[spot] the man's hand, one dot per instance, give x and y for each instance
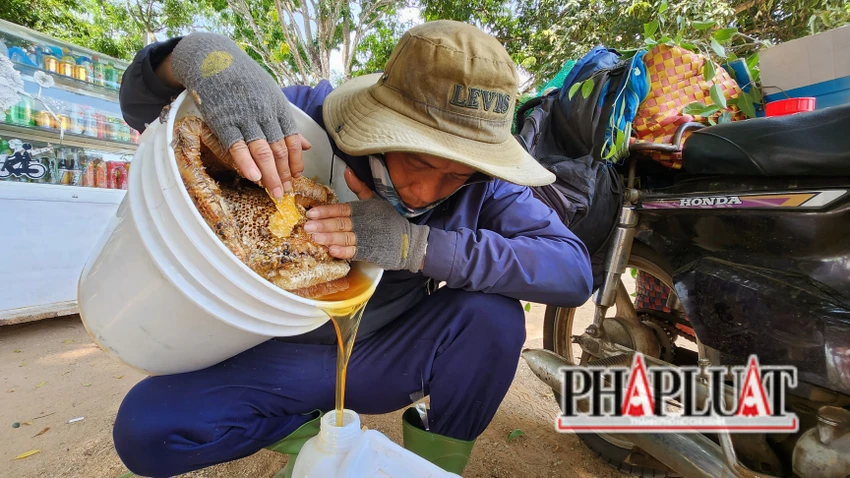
(273, 163)
(243, 106)
(370, 230)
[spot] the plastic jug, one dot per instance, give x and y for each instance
(350, 452)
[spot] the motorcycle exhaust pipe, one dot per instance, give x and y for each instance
(691, 455)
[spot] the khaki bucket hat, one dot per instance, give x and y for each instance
(448, 90)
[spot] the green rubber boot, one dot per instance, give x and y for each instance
(291, 445)
(449, 454)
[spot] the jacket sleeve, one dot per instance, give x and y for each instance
(143, 94)
(521, 249)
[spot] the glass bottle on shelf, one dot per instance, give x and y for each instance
(21, 113)
(67, 63)
(63, 175)
(74, 169)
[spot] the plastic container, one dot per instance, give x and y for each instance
(163, 294)
(349, 452)
(789, 106)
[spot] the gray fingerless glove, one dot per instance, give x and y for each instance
(238, 98)
(385, 238)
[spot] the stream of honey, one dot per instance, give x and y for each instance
(345, 315)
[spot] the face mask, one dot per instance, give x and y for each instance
(385, 189)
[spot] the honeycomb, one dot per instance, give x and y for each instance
(267, 235)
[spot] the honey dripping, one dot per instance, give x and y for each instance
(346, 320)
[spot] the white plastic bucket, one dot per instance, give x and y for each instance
(163, 294)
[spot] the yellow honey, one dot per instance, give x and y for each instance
(286, 218)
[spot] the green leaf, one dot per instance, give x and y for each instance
(702, 25)
(528, 306)
(633, 272)
(758, 96)
(573, 90)
(515, 434)
(725, 117)
(709, 110)
(663, 7)
(587, 88)
(753, 61)
(709, 70)
(712, 121)
(725, 34)
(650, 28)
(650, 41)
(678, 38)
(666, 40)
(528, 62)
(718, 48)
(745, 104)
(693, 109)
(688, 46)
(717, 95)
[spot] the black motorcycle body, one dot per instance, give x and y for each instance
(757, 233)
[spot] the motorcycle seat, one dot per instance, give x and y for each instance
(816, 143)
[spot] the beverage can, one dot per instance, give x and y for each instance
(100, 176)
(97, 72)
(51, 63)
(109, 76)
(113, 131)
(125, 132)
(100, 125)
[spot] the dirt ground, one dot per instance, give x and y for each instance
(51, 373)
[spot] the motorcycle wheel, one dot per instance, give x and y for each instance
(558, 330)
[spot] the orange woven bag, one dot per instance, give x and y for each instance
(676, 80)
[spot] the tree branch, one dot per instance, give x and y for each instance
(293, 44)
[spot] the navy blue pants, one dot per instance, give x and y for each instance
(460, 347)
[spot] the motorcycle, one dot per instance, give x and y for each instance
(747, 251)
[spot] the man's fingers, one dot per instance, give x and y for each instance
(357, 186)
(305, 145)
(296, 162)
(343, 252)
(334, 224)
(282, 159)
(330, 210)
(264, 159)
(242, 157)
(334, 238)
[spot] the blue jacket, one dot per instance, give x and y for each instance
(490, 236)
